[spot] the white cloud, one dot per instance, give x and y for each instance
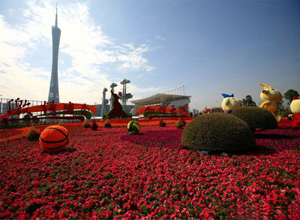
(158, 37)
(20, 80)
(10, 45)
(82, 40)
(132, 57)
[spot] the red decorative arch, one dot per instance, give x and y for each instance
(50, 107)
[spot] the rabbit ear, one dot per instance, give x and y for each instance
(225, 95)
(265, 86)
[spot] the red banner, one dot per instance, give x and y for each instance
(50, 107)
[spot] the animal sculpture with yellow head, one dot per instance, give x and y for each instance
(295, 105)
(295, 108)
(230, 103)
(271, 97)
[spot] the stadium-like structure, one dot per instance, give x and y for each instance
(163, 99)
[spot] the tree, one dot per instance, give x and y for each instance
(290, 94)
(248, 101)
(280, 108)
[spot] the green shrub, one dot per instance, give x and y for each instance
(86, 123)
(107, 124)
(162, 123)
(256, 117)
(217, 132)
(33, 134)
(94, 126)
(60, 123)
(180, 123)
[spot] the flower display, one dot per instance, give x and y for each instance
(150, 175)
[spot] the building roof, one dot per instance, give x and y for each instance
(157, 98)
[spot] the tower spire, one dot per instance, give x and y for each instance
(53, 91)
(56, 16)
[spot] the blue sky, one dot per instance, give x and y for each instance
(210, 47)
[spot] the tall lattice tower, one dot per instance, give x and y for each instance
(53, 91)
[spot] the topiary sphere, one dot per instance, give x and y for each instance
(133, 127)
(217, 132)
(256, 117)
(54, 138)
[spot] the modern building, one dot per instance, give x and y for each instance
(195, 112)
(53, 91)
(168, 100)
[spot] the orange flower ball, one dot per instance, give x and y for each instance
(54, 138)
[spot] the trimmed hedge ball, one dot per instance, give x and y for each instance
(54, 138)
(217, 132)
(133, 127)
(256, 117)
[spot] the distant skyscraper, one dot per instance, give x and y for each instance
(53, 91)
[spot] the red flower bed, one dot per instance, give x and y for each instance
(142, 122)
(110, 174)
(11, 134)
(7, 133)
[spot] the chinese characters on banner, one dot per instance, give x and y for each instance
(84, 108)
(69, 108)
(52, 108)
(20, 106)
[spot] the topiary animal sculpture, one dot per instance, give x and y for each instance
(271, 97)
(295, 105)
(230, 103)
(217, 132)
(295, 108)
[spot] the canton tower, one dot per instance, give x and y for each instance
(53, 91)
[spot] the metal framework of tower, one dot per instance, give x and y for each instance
(53, 91)
(125, 95)
(104, 101)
